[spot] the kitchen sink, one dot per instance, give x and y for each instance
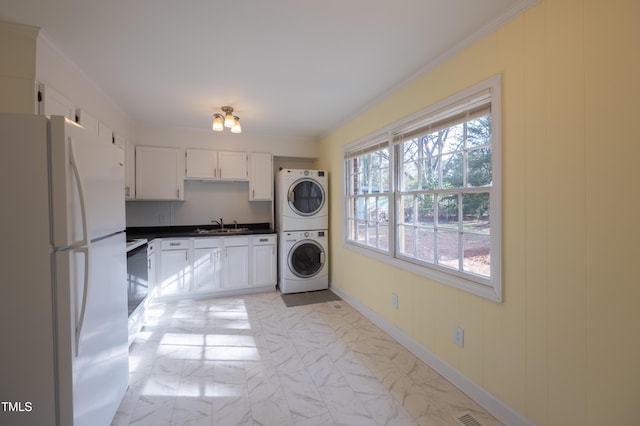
(219, 231)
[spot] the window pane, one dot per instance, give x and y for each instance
(430, 173)
(410, 150)
(452, 138)
(477, 254)
(360, 213)
(383, 236)
(479, 167)
(407, 240)
(452, 166)
(383, 209)
(407, 209)
(479, 131)
(448, 249)
(475, 212)
(360, 233)
(372, 235)
(410, 176)
(425, 210)
(448, 211)
(425, 246)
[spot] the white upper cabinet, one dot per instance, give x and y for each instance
(52, 102)
(159, 173)
(261, 177)
(201, 164)
(129, 165)
(206, 164)
(233, 165)
(95, 126)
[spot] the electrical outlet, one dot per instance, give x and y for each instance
(394, 300)
(162, 219)
(458, 336)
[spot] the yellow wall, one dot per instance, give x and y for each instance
(564, 346)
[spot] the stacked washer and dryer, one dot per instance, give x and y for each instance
(302, 222)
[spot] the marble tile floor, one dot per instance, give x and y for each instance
(250, 360)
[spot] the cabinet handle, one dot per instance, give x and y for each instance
(173, 244)
(178, 193)
(264, 240)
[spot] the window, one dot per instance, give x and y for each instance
(368, 193)
(425, 193)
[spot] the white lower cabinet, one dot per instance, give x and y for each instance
(192, 267)
(207, 264)
(175, 267)
(263, 260)
(236, 262)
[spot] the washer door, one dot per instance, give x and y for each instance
(306, 197)
(306, 258)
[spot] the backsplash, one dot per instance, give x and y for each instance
(204, 202)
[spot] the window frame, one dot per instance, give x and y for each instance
(490, 288)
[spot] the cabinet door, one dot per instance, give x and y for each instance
(175, 272)
(202, 164)
(263, 265)
(88, 121)
(151, 269)
(233, 165)
(236, 264)
(105, 133)
(207, 268)
(261, 183)
(159, 173)
(51, 102)
(129, 167)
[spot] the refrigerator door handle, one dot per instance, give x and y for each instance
(83, 207)
(85, 296)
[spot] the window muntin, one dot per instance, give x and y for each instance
(444, 214)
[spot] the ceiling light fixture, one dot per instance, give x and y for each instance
(227, 120)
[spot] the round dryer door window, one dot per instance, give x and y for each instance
(306, 197)
(306, 258)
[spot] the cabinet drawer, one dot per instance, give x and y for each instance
(204, 242)
(175, 244)
(236, 241)
(260, 240)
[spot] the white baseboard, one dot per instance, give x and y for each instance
(493, 405)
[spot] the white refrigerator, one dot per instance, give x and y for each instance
(63, 288)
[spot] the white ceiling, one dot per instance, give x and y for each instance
(293, 68)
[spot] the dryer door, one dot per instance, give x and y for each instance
(306, 258)
(306, 197)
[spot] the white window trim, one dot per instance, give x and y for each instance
(492, 291)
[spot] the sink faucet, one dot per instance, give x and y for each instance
(221, 223)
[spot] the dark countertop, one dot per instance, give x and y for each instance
(151, 232)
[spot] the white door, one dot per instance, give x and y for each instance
(263, 265)
(159, 173)
(236, 262)
(87, 180)
(207, 268)
(92, 328)
(261, 177)
(233, 165)
(201, 164)
(175, 272)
